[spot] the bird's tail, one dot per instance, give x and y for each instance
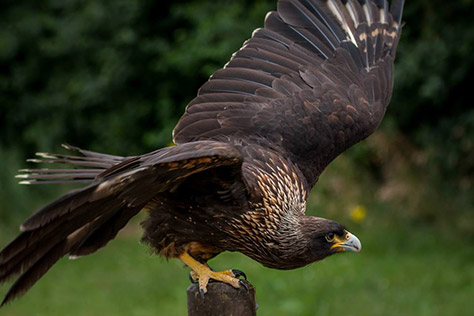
(91, 164)
(72, 228)
(81, 222)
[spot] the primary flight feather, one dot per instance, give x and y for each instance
(316, 79)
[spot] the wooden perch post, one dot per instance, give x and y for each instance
(222, 300)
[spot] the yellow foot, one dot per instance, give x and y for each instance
(202, 274)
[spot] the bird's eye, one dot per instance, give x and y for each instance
(330, 237)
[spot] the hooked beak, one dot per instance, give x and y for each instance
(347, 243)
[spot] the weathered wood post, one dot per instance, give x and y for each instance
(222, 300)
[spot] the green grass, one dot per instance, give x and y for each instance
(402, 270)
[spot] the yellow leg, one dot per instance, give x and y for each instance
(203, 273)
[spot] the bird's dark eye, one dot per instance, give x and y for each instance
(330, 237)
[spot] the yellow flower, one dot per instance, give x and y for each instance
(358, 213)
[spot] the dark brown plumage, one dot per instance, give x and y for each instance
(314, 81)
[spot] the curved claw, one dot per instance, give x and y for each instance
(238, 274)
(244, 285)
(203, 274)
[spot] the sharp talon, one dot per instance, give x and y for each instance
(238, 273)
(244, 285)
(201, 293)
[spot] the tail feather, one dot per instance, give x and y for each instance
(83, 221)
(89, 153)
(95, 164)
(50, 176)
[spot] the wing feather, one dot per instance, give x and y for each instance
(314, 81)
(81, 222)
(298, 75)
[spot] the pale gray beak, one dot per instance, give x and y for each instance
(347, 243)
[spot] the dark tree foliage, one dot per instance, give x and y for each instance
(109, 75)
(115, 75)
(432, 102)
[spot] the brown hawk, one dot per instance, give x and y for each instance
(315, 80)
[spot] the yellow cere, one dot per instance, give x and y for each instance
(337, 244)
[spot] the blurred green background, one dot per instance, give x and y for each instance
(114, 76)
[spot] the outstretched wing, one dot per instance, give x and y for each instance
(81, 222)
(314, 81)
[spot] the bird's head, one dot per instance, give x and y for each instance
(327, 237)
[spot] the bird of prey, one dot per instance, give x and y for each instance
(315, 80)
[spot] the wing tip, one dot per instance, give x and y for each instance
(396, 10)
(5, 301)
